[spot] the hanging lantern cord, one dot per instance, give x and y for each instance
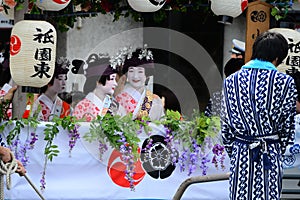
(8, 169)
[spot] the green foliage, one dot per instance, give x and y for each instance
(198, 127)
(281, 8)
(172, 120)
(17, 126)
(50, 132)
(65, 18)
(104, 129)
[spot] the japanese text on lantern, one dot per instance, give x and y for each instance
(43, 55)
(293, 58)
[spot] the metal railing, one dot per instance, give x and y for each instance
(291, 177)
(220, 177)
(198, 179)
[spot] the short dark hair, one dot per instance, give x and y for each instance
(268, 46)
(233, 65)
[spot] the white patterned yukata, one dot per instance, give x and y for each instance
(258, 109)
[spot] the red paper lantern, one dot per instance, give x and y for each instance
(32, 52)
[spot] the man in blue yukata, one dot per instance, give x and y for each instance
(257, 119)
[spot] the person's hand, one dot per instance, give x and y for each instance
(5, 154)
(10, 94)
(21, 169)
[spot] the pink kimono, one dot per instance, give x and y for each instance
(90, 107)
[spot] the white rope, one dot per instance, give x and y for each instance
(7, 169)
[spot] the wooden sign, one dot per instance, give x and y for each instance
(258, 21)
(292, 62)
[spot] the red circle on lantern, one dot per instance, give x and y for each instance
(61, 1)
(116, 170)
(15, 45)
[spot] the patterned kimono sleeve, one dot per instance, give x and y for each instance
(78, 111)
(287, 135)
(227, 135)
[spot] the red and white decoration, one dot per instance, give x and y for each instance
(232, 8)
(83, 176)
(146, 5)
(32, 52)
(52, 5)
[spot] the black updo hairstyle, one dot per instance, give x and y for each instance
(137, 60)
(61, 67)
(99, 70)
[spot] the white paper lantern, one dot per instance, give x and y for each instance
(52, 5)
(32, 52)
(293, 57)
(232, 8)
(146, 5)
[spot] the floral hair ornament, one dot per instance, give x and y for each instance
(119, 59)
(96, 64)
(64, 62)
(61, 66)
(145, 53)
(141, 57)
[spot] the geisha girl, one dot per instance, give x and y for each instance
(48, 103)
(99, 90)
(136, 98)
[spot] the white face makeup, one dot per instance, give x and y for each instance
(136, 77)
(110, 85)
(59, 84)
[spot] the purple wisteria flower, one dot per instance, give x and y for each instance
(102, 149)
(42, 181)
(203, 164)
(182, 160)
(74, 136)
(218, 150)
(194, 155)
(34, 138)
(127, 157)
(20, 150)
